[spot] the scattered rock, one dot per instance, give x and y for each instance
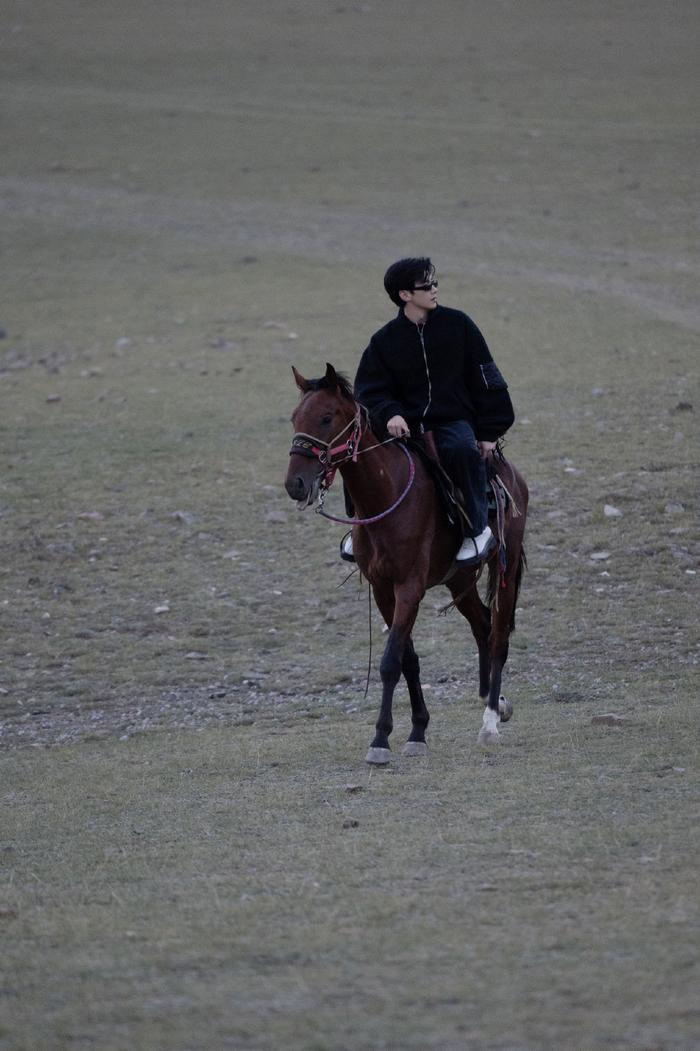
(674, 509)
(354, 788)
(684, 406)
(610, 719)
(186, 517)
(52, 399)
(162, 609)
(600, 556)
(611, 512)
(351, 822)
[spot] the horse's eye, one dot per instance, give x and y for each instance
(328, 418)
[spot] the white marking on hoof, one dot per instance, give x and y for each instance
(505, 708)
(415, 748)
(378, 756)
(488, 734)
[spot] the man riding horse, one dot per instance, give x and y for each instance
(429, 369)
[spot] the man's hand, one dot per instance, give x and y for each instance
(486, 447)
(398, 428)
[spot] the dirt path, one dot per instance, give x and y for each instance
(323, 232)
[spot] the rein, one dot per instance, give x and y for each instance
(383, 514)
(315, 448)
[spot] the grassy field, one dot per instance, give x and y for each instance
(194, 856)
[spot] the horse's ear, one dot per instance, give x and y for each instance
(301, 383)
(331, 377)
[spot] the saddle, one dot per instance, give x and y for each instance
(450, 495)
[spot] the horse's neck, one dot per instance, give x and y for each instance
(378, 476)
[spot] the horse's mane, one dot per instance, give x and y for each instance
(344, 385)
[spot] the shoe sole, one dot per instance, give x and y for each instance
(486, 553)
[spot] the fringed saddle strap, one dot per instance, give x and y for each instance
(499, 493)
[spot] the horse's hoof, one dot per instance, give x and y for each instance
(414, 748)
(505, 708)
(379, 756)
(488, 738)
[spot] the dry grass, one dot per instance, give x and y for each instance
(231, 890)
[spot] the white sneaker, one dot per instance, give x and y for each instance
(476, 549)
(346, 552)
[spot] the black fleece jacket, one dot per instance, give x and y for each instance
(435, 373)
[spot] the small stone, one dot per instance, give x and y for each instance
(611, 512)
(684, 406)
(674, 509)
(354, 788)
(351, 822)
(162, 609)
(52, 399)
(600, 556)
(186, 517)
(610, 719)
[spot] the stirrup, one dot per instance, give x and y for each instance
(346, 552)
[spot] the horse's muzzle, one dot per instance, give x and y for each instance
(296, 487)
(302, 487)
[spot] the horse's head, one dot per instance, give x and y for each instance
(323, 433)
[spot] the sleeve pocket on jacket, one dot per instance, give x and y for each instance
(492, 377)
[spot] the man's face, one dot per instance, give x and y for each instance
(424, 292)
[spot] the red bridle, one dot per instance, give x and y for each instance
(326, 452)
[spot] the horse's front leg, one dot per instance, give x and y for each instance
(404, 615)
(420, 716)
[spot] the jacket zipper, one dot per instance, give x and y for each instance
(427, 370)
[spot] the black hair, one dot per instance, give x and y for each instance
(405, 274)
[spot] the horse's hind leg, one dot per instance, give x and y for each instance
(420, 717)
(498, 709)
(478, 615)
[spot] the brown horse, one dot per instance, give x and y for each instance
(404, 544)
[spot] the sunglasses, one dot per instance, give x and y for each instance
(426, 287)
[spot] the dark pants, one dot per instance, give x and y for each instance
(463, 462)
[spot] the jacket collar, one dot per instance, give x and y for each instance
(401, 316)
